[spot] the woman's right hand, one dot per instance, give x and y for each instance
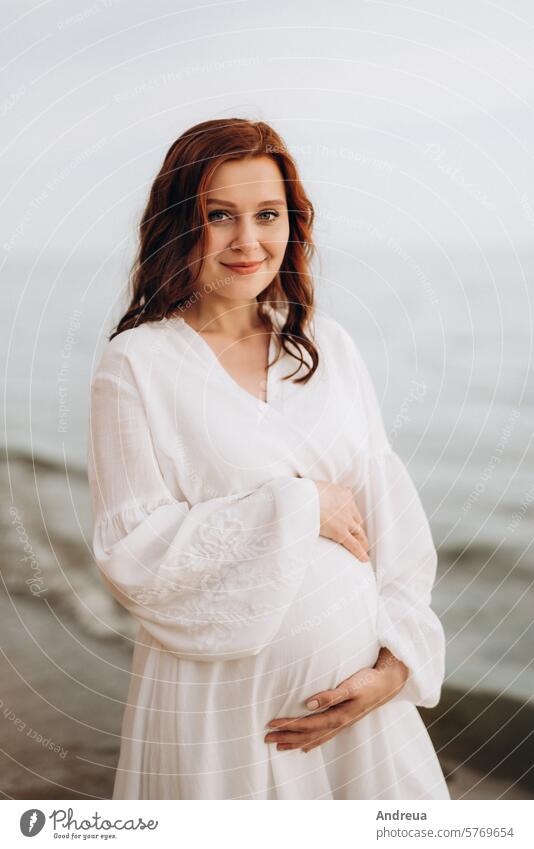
(341, 520)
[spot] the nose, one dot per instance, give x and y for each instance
(245, 235)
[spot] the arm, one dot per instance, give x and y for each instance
(405, 559)
(410, 664)
(211, 581)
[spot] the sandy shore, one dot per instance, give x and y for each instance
(66, 651)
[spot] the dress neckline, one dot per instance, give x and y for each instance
(205, 348)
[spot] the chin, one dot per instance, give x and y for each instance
(244, 293)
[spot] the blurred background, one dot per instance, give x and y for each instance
(413, 127)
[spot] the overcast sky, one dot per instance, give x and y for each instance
(412, 125)
(416, 118)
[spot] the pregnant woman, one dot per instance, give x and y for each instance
(249, 511)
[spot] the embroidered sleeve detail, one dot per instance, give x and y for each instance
(209, 581)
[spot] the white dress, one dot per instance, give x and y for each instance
(206, 529)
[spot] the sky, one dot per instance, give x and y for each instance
(414, 118)
(412, 127)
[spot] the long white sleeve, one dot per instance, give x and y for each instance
(211, 581)
(405, 558)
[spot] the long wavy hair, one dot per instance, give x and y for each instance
(173, 234)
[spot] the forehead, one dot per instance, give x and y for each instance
(244, 179)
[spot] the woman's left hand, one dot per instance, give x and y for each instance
(350, 701)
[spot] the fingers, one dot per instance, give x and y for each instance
(358, 533)
(289, 738)
(335, 696)
(343, 707)
(314, 722)
(314, 743)
(302, 724)
(356, 530)
(304, 741)
(308, 732)
(355, 547)
(341, 519)
(316, 735)
(359, 528)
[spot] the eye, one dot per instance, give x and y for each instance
(270, 212)
(224, 212)
(216, 212)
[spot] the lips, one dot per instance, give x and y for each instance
(242, 264)
(243, 267)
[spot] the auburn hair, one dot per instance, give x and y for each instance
(173, 234)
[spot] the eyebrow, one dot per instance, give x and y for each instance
(275, 202)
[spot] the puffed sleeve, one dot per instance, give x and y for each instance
(404, 556)
(210, 581)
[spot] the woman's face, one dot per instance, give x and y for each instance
(248, 223)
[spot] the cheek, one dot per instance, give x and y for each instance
(216, 242)
(277, 241)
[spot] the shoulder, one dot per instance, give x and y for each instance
(338, 344)
(332, 335)
(347, 352)
(328, 326)
(133, 346)
(130, 350)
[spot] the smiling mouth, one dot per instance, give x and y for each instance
(243, 264)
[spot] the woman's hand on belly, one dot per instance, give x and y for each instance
(341, 520)
(350, 701)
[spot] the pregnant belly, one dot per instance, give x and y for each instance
(328, 633)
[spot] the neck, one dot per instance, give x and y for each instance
(232, 319)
